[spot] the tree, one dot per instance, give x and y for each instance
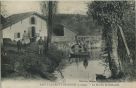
(110, 15)
(45, 7)
(3, 11)
(49, 9)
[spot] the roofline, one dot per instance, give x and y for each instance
(32, 13)
(70, 29)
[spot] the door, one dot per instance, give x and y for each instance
(33, 32)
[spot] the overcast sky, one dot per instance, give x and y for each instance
(72, 7)
(13, 7)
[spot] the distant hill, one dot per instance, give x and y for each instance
(79, 23)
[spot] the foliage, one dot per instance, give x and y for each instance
(56, 56)
(29, 64)
(3, 11)
(108, 12)
(80, 24)
(45, 8)
(128, 26)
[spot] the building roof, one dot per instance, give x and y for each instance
(63, 19)
(64, 27)
(67, 20)
(82, 24)
(18, 17)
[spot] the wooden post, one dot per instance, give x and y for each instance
(125, 43)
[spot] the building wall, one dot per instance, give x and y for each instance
(68, 36)
(25, 25)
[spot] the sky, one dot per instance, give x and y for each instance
(79, 7)
(13, 7)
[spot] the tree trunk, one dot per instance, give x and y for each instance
(1, 36)
(50, 16)
(111, 41)
(1, 41)
(116, 64)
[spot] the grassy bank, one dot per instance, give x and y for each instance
(29, 64)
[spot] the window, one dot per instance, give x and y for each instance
(32, 20)
(33, 31)
(17, 35)
(58, 30)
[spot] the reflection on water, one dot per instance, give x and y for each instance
(74, 72)
(85, 62)
(85, 68)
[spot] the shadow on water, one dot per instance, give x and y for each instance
(85, 63)
(78, 60)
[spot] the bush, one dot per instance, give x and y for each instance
(29, 64)
(56, 57)
(8, 42)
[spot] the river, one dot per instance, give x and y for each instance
(76, 71)
(73, 72)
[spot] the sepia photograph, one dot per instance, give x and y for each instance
(67, 44)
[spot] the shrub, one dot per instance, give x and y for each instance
(7, 41)
(56, 57)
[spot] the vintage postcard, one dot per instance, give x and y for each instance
(68, 44)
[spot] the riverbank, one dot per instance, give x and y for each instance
(28, 63)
